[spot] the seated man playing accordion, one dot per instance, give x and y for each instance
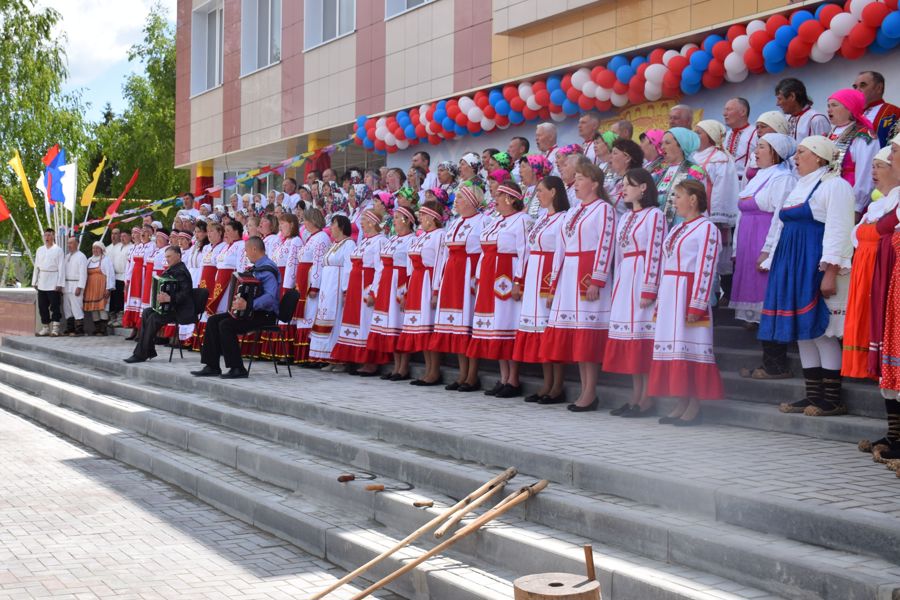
(222, 330)
(174, 306)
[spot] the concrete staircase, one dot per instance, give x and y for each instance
(757, 505)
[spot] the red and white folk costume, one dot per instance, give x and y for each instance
(577, 327)
(504, 251)
(308, 278)
(544, 241)
(638, 261)
(740, 143)
(335, 279)
(389, 286)
(684, 364)
(134, 275)
(365, 260)
(227, 262)
(857, 149)
(150, 250)
(454, 280)
(808, 122)
(721, 185)
(280, 345)
(418, 316)
(208, 282)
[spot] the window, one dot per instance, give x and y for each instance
(326, 20)
(260, 34)
(395, 7)
(207, 33)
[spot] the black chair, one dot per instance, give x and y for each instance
(286, 309)
(200, 297)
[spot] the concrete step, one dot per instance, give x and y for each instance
(641, 528)
(512, 543)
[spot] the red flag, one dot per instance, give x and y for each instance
(4, 210)
(114, 207)
(50, 156)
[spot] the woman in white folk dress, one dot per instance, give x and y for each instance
(418, 310)
(335, 277)
(684, 365)
(639, 241)
(389, 286)
(308, 281)
(216, 246)
(544, 241)
(279, 346)
(134, 276)
(582, 285)
(498, 300)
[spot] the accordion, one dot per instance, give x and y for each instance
(167, 285)
(247, 287)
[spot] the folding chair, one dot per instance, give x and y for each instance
(286, 309)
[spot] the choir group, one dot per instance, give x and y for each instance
(610, 253)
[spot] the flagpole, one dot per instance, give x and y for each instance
(22, 237)
(83, 223)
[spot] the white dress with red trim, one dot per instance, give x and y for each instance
(684, 364)
(638, 259)
(418, 316)
(357, 316)
(544, 242)
(227, 262)
(280, 345)
(389, 286)
(856, 150)
(504, 254)
(208, 282)
(722, 185)
(454, 280)
(808, 122)
(577, 327)
(308, 278)
(335, 279)
(150, 250)
(134, 275)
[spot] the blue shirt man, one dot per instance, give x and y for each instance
(270, 282)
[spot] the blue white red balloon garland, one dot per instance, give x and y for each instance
(761, 46)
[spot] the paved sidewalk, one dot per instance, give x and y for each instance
(77, 526)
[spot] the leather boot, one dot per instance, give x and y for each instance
(100, 328)
(70, 326)
(79, 328)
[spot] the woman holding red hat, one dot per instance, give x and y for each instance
(855, 141)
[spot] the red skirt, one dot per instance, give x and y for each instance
(685, 379)
(147, 286)
(454, 289)
(881, 281)
(384, 339)
(272, 345)
(485, 343)
(360, 278)
(890, 361)
(416, 338)
(301, 335)
(207, 282)
(631, 357)
(573, 345)
(132, 316)
(527, 347)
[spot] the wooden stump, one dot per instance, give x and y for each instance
(556, 586)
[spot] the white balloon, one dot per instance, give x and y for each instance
(465, 104)
(655, 73)
(488, 124)
(403, 144)
(424, 109)
(619, 99)
(532, 103)
(590, 89)
(652, 94)
(741, 44)
(755, 25)
(603, 93)
(857, 6)
(558, 116)
(669, 55)
(475, 114)
(580, 77)
(829, 42)
(736, 76)
(525, 91)
(819, 55)
(735, 62)
(381, 132)
(390, 140)
(428, 129)
(842, 23)
(381, 122)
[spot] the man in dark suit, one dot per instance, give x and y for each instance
(184, 313)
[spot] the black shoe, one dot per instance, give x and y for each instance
(424, 383)
(618, 412)
(401, 377)
(533, 398)
(132, 337)
(469, 387)
(561, 399)
(494, 390)
(235, 373)
(509, 391)
(667, 420)
(367, 374)
(452, 387)
(637, 413)
(592, 406)
(684, 423)
(161, 341)
(207, 371)
(387, 376)
(134, 359)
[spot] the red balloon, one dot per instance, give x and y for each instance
(358, 141)
(754, 60)
(430, 114)
(538, 86)
(489, 112)
(809, 31)
(573, 94)
(735, 31)
(554, 108)
(636, 96)
(502, 121)
(566, 82)
(606, 80)
(690, 53)
(585, 102)
(449, 135)
(544, 113)
(603, 105)
(862, 35)
(530, 115)
(620, 88)
(517, 104)
(399, 133)
(774, 22)
(798, 48)
(453, 110)
(596, 72)
(711, 81)
(656, 56)
(759, 39)
(671, 80)
(542, 97)
(380, 145)
(891, 4)
(721, 50)
(671, 91)
(678, 64)
(642, 68)
(474, 127)
(510, 92)
(434, 140)
(873, 14)
(851, 52)
(461, 119)
(421, 131)
(827, 13)
(414, 116)
(392, 149)
(716, 68)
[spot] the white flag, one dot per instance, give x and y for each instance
(69, 185)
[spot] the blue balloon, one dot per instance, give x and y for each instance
(460, 130)
(557, 97)
(690, 88)
(441, 105)
(615, 62)
(886, 41)
(381, 152)
(784, 35)
(709, 42)
(439, 115)
(478, 133)
(368, 144)
(516, 117)
(637, 61)
(775, 67)
(700, 60)
(502, 107)
(800, 17)
(361, 121)
(891, 25)
(691, 76)
(402, 116)
(410, 132)
(448, 124)
(773, 52)
(624, 73)
(570, 108)
(494, 97)
(554, 82)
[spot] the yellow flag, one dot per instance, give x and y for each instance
(98, 230)
(165, 210)
(16, 163)
(88, 196)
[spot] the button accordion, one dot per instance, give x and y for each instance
(247, 287)
(167, 285)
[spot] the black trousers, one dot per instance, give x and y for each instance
(151, 322)
(221, 334)
(117, 298)
(49, 306)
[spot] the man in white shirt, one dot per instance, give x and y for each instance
(73, 292)
(545, 135)
(588, 125)
(422, 160)
(741, 139)
(791, 98)
(517, 148)
(188, 201)
(118, 254)
(291, 197)
(49, 278)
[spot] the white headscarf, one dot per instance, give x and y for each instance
(775, 119)
(821, 146)
(784, 145)
(715, 131)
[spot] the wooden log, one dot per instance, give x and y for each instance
(556, 586)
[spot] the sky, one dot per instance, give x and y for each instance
(98, 34)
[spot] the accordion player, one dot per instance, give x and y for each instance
(246, 287)
(166, 285)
